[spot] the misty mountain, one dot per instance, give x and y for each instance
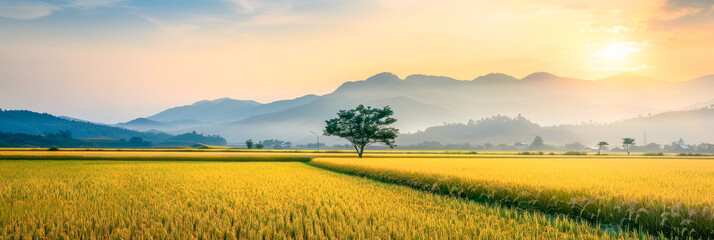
(204, 111)
(420, 101)
(694, 126)
(27, 122)
(222, 110)
(312, 116)
(145, 124)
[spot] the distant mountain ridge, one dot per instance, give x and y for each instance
(145, 124)
(661, 128)
(421, 101)
(22, 127)
(205, 111)
(27, 122)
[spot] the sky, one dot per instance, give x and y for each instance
(115, 60)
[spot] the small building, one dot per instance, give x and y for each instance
(520, 146)
(591, 149)
(618, 149)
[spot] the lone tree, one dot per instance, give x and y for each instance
(600, 145)
(627, 142)
(363, 126)
(249, 143)
(537, 143)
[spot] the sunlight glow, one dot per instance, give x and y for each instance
(618, 52)
(616, 57)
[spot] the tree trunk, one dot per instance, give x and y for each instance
(598, 150)
(361, 151)
(357, 150)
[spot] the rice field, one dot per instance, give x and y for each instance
(246, 200)
(672, 197)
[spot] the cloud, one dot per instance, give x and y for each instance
(25, 9)
(675, 4)
(171, 29)
(611, 29)
(91, 4)
(243, 6)
(687, 14)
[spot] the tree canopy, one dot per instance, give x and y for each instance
(363, 126)
(627, 142)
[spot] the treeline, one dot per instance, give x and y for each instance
(539, 145)
(482, 128)
(64, 139)
(674, 147)
(191, 138)
(59, 139)
(280, 144)
(323, 146)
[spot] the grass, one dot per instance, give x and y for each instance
(228, 200)
(661, 196)
(578, 153)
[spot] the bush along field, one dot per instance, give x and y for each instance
(662, 197)
(247, 200)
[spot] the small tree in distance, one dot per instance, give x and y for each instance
(600, 145)
(249, 143)
(537, 143)
(363, 126)
(627, 142)
(259, 146)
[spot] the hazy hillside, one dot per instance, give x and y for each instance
(421, 101)
(295, 123)
(694, 126)
(28, 122)
(61, 139)
(145, 124)
(204, 111)
(223, 110)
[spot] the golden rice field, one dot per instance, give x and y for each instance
(246, 200)
(264, 155)
(674, 197)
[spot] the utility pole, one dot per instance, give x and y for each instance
(318, 140)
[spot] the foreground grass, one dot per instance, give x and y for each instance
(224, 200)
(660, 196)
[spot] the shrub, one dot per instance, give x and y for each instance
(575, 153)
(53, 149)
(654, 154)
(691, 154)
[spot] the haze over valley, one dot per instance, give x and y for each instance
(566, 109)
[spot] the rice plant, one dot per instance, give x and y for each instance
(666, 197)
(246, 200)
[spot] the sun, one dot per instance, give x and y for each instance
(618, 52)
(617, 56)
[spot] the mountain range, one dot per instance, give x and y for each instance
(421, 101)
